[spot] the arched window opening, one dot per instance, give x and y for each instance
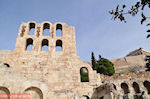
(101, 97)
(136, 87)
(59, 45)
(147, 86)
(29, 44)
(85, 97)
(84, 74)
(35, 93)
(46, 29)
(45, 45)
(58, 30)
(7, 65)
(114, 86)
(125, 88)
(32, 28)
(4, 91)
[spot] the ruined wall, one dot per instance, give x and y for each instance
(122, 64)
(130, 85)
(46, 74)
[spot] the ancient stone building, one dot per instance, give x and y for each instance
(130, 80)
(44, 65)
(134, 59)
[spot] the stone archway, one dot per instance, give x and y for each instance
(34, 93)
(136, 87)
(125, 88)
(147, 86)
(85, 97)
(4, 93)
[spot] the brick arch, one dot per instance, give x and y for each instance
(147, 85)
(125, 88)
(85, 97)
(29, 42)
(45, 45)
(114, 86)
(7, 65)
(136, 87)
(46, 22)
(47, 92)
(47, 27)
(59, 29)
(84, 74)
(31, 27)
(34, 92)
(59, 45)
(5, 91)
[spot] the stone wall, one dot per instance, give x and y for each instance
(55, 74)
(47, 74)
(128, 85)
(130, 61)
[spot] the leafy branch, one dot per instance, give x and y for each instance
(121, 11)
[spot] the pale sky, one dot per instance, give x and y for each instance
(95, 31)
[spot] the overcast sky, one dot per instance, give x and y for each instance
(95, 31)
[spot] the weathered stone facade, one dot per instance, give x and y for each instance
(126, 86)
(55, 74)
(46, 74)
(130, 81)
(134, 59)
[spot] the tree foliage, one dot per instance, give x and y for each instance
(147, 59)
(103, 66)
(121, 10)
(93, 61)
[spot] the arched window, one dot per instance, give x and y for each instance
(34, 92)
(58, 30)
(125, 88)
(45, 45)
(46, 29)
(114, 86)
(85, 97)
(147, 86)
(31, 28)
(4, 91)
(59, 45)
(101, 97)
(29, 44)
(84, 74)
(136, 87)
(7, 65)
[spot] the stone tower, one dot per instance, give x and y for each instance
(66, 40)
(46, 74)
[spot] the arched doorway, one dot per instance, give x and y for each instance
(34, 92)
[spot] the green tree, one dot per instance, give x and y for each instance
(147, 59)
(93, 61)
(104, 66)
